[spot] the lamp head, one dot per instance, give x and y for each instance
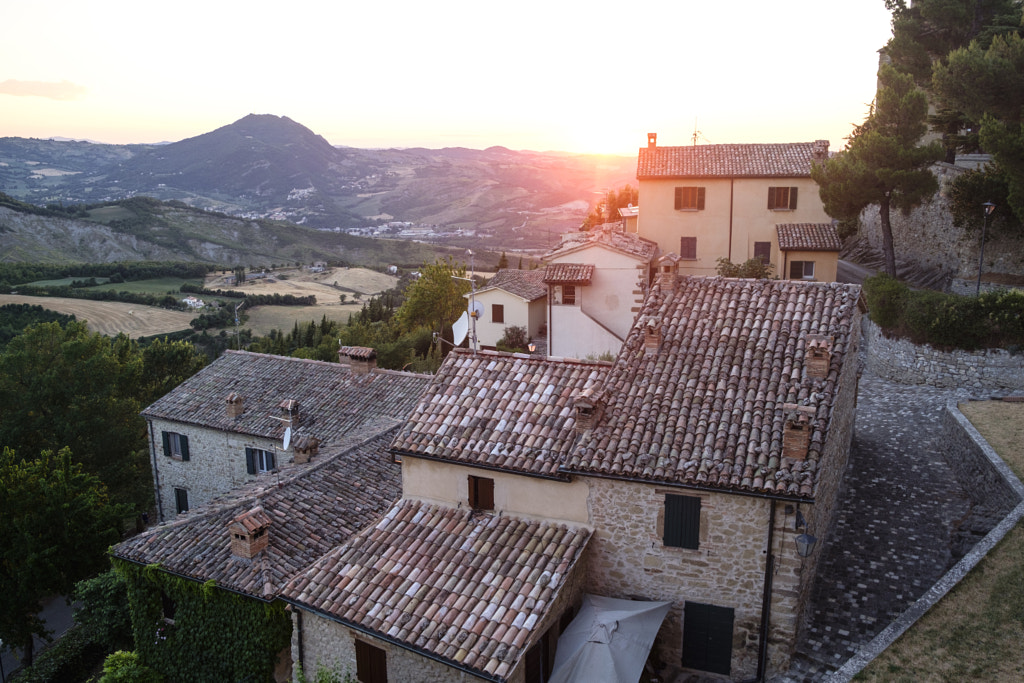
(989, 208)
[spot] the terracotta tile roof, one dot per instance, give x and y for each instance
(569, 273)
(309, 514)
(335, 404)
(617, 240)
(706, 408)
(786, 160)
(526, 284)
(499, 410)
(468, 589)
(808, 237)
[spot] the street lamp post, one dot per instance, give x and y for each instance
(989, 207)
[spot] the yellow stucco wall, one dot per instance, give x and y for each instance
(735, 216)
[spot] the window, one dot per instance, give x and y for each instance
(763, 251)
(481, 493)
(707, 637)
(181, 500)
(175, 445)
(782, 198)
(689, 199)
(682, 521)
(569, 295)
(167, 607)
(801, 270)
(258, 460)
(498, 313)
(688, 248)
(371, 663)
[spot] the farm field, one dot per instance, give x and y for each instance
(111, 317)
(326, 286)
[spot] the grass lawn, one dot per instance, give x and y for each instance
(976, 632)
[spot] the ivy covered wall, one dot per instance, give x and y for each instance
(209, 635)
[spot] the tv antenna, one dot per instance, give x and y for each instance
(474, 310)
(697, 134)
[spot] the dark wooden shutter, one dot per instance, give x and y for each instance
(183, 443)
(771, 197)
(707, 637)
(167, 443)
(792, 197)
(796, 270)
(682, 521)
(688, 247)
(700, 198)
(481, 493)
(679, 198)
(250, 460)
(181, 500)
(763, 251)
(498, 313)
(371, 663)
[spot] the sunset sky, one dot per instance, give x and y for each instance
(564, 75)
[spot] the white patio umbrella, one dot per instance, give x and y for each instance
(608, 641)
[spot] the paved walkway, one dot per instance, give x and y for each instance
(892, 538)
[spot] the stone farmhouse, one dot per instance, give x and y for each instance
(226, 426)
(511, 298)
(738, 202)
(681, 472)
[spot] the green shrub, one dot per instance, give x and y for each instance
(71, 659)
(515, 340)
(885, 297)
(125, 667)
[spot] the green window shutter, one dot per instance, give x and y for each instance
(167, 443)
(707, 637)
(250, 461)
(183, 442)
(700, 198)
(682, 521)
(792, 197)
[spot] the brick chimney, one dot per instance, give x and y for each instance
(289, 412)
(818, 355)
(361, 359)
(652, 337)
(667, 269)
(234, 405)
(796, 434)
(306, 448)
(819, 150)
(652, 140)
(249, 533)
(589, 405)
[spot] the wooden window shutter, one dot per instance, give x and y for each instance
(167, 443)
(682, 521)
(688, 247)
(183, 443)
(771, 197)
(679, 198)
(371, 663)
(792, 197)
(250, 460)
(707, 637)
(763, 251)
(481, 493)
(700, 198)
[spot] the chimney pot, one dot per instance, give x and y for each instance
(652, 140)
(234, 405)
(249, 533)
(796, 434)
(818, 355)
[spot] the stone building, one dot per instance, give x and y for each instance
(227, 425)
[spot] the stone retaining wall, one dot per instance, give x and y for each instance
(981, 473)
(901, 361)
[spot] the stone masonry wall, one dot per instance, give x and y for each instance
(901, 361)
(629, 560)
(928, 237)
(215, 466)
(971, 460)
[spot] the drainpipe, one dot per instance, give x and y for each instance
(156, 473)
(732, 195)
(766, 600)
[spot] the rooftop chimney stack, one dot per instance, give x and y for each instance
(796, 434)
(361, 359)
(819, 150)
(818, 355)
(306, 448)
(234, 405)
(652, 140)
(667, 269)
(290, 412)
(652, 337)
(589, 406)
(249, 533)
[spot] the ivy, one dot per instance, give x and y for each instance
(215, 635)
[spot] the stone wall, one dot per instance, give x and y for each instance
(981, 473)
(901, 361)
(628, 559)
(928, 237)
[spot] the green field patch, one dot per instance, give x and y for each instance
(159, 285)
(105, 214)
(62, 282)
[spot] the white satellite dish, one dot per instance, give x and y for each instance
(476, 309)
(460, 329)
(287, 438)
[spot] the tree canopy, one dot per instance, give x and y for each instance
(57, 522)
(883, 163)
